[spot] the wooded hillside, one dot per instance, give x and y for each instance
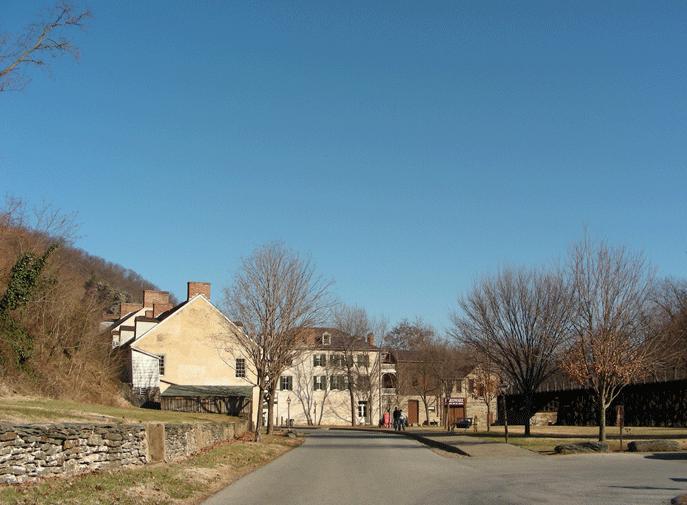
(52, 299)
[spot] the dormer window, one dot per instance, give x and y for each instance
(326, 339)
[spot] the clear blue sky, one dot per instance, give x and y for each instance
(408, 147)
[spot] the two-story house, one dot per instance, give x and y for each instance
(184, 356)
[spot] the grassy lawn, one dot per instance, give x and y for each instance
(186, 482)
(42, 410)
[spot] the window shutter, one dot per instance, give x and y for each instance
(323, 359)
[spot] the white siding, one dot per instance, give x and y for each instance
(144, 370)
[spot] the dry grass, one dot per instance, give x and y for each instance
(187, 482)
(545, 438)
(42, 410)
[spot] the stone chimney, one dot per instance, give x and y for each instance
(127, 308)
(370, 338)
(151, 297)
(198, 288)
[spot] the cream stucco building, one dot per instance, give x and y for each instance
(184, 353)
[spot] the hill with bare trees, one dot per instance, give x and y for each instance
(53, 296)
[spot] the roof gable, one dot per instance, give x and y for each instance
(180, 309)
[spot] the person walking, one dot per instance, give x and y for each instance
(402, 421)
(397, 415)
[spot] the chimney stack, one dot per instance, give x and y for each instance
(127, 308)
(370, 339)
(159, 308)
(151, 297)
(198, 288)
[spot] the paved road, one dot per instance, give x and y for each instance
(351, 468)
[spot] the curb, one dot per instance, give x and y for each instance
(424, 440)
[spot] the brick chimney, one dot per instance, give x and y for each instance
(127, 308)
(198, 288)
(370, 338)
(151, 297)
(159, 308)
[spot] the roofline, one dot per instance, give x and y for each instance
(134, 344)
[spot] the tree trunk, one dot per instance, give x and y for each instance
(488, 417)
(270, 409)
(424, 400)
(528, 415)
(258, 419)
(353, 412)
(602, 419)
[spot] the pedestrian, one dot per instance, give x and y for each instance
(387, 419)
(397, 415)
(402, 421)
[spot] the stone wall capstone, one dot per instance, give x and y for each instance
(30, 451)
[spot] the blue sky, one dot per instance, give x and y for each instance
(407, 147)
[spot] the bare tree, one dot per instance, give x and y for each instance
(407, 335)
(612, 340)
(39, 42)
(275, 294)
(669, 320)
(520, 320)
(487, 384)
(309, 393)
(360, 366)
(448, 365)
(416, 345)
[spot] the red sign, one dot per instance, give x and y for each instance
(454, 402)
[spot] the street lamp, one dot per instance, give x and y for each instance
(288, 411)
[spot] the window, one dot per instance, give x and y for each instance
(161, 364)
(336, 360)
(471, 386)
(326, 339)
(338, 382)
(363, 382)
(363, 360)
(240, 367)
(362, 409)
(286, 382)
(320, 383)
(319, 360)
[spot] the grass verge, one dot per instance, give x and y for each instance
(43, 410)
(186, 482)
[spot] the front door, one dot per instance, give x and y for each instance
(413, 412)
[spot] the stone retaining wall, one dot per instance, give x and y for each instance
(182, 440)
(28, 452)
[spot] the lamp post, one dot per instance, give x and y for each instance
(288, 411)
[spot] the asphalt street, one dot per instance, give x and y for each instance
(350, 468)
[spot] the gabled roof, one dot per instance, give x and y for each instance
(312, 338)
(208, 391)
(177, 310)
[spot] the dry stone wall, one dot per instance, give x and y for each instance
(28, 452)
(31, 451)
(182, 440)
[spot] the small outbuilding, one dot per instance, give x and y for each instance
(230, 400)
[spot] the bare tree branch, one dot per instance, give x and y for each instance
(39, 42)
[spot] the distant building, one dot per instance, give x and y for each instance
(183, 352)
(185, 357)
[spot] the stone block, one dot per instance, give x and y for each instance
(581, 447)
(654, 446)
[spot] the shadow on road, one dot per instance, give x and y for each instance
(669, 456)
